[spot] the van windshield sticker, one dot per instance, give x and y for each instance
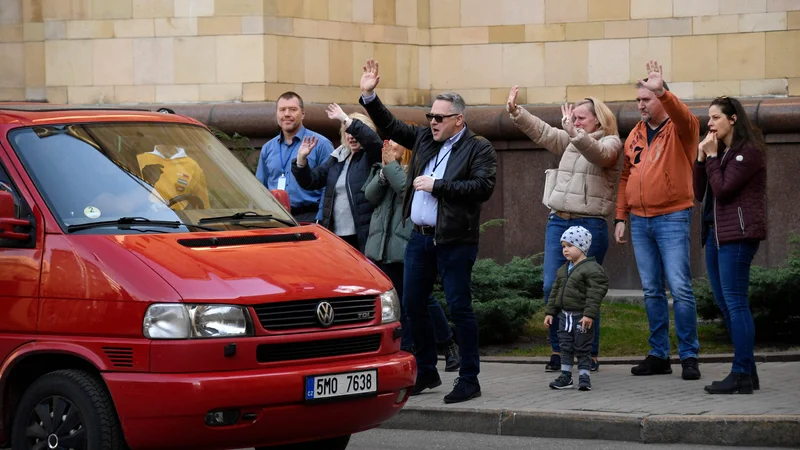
(91, 212)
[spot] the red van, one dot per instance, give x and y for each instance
(153, 294)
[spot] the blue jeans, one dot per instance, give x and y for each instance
(661, 247)
(554, 258)
(441, 326)
(729, 273)
(454, 263)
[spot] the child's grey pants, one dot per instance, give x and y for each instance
(574, 340)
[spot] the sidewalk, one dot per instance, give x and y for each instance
(516, 400)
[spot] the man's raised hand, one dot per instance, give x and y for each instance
(370, 78)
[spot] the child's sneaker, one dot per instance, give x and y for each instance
(584, 383)
(564, 381)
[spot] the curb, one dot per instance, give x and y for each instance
(768, 430)
(634, 360)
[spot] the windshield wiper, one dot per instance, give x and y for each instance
(126, 222)
(242, 216)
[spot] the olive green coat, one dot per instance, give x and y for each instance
(388, 236)
(580, 290)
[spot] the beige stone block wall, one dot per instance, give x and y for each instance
(132, 51)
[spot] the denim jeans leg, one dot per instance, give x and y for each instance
(441, 327)
(714, 279)
(553, 259)
(648, 261)
(734, 263)
(395, 273)
(599, 229)
(673, 235)
(418, 279)
(455, 263)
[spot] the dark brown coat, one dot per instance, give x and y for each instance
(736, 183)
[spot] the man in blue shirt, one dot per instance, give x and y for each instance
(274, 164)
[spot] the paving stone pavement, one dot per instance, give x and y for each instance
(524, 387)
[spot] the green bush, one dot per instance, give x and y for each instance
(504, 297)
(774, 296)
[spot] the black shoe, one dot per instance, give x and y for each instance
(652, 366)
(463, 391)
(734, 383)
(595, 366)
(451, 358)
(691, 371)
(564, 381)
(426, 382)
(584, 383)
(753, 378)
(554, 365)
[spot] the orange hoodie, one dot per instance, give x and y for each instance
(656, 179)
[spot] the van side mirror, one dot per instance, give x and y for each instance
(283, 197)
(8, 219)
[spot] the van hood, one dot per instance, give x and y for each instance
(250, 273)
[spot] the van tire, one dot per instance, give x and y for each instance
(337, 443)
(75, 391)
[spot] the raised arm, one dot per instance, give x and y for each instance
(308, 178)
(542, 134)
(686, 123)
(398, 131)
(602, 153)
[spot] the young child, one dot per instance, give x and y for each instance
(579, 288)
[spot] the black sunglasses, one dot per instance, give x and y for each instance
(439, 117)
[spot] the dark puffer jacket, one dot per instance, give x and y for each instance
(582, 289)
(326, 175)
(736, 183)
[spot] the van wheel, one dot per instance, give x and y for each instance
(337, 443)
(66, 409)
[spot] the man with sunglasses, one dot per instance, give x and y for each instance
(451, 173)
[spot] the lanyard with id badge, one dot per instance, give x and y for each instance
(282, 178)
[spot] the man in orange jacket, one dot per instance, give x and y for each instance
(655, 190)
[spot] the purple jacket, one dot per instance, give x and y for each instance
(738, 181)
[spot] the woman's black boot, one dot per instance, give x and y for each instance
(734, 383)
(753, 378)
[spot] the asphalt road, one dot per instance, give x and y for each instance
(384, 439)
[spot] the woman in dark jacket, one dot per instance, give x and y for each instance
(730, 178)
(345, 209)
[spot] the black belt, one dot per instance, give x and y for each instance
(425, 230)
(305, 209)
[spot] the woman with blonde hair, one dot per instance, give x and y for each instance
(345, 210)
(388, 236)
(581, 192)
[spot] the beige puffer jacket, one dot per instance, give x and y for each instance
(587, 175)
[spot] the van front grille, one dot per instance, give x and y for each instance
(292, 351)
(303, 313)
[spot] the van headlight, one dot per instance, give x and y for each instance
(182, 321)
(390, 307)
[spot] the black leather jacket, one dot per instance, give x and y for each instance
(468, 180)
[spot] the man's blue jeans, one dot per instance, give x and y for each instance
(454, 264)
(441, 326)
(729, 274)
(661, 247)
(554, 258)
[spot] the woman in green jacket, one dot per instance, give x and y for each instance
(388, 236)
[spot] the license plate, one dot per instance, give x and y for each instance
(341, 385)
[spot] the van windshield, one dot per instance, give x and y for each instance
(153, 172)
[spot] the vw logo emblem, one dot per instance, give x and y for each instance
(325, 314)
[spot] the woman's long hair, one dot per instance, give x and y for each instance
(366, 120)
(604, 115)
(744, 132)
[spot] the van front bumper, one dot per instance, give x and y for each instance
(159, 410)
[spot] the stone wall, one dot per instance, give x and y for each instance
(165, 51)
